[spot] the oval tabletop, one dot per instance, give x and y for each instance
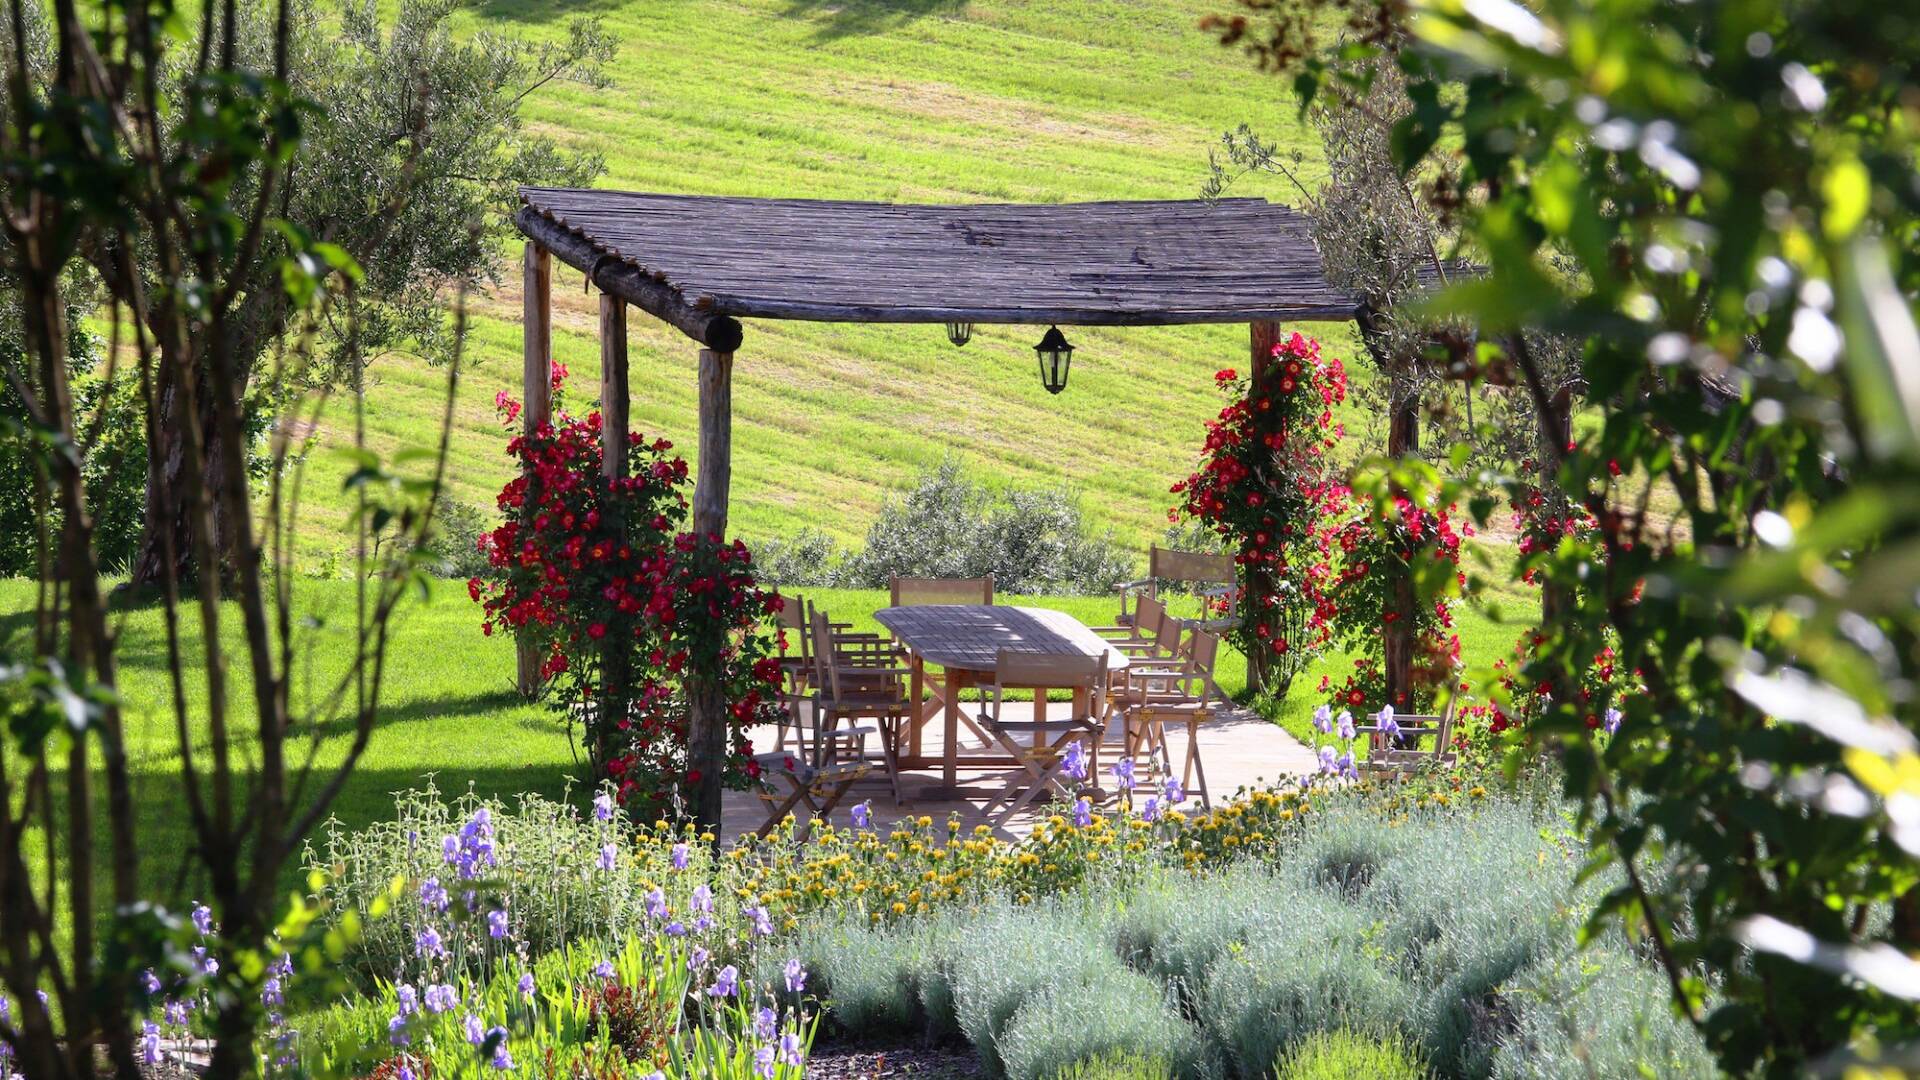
(969, 637)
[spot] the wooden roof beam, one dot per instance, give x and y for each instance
(616, 277)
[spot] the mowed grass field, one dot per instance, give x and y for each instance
(902, 100)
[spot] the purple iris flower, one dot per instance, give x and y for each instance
(475, 1030)
(1323, 719)
(1075, 763)
(497, 924)
(796, 976)
(468, 852)
(406, 999)
(763, 1059)
(1083, 812)
(1389, 727)
(603, 807)
(604, 970)
(501, 1059)
(427, 943)
(525, 985)
(1123, 774)
(1150, 810)
(726, 984)
(703, 924)
(397, 1031)
(762, 924)
(656, 904)
(148, 981)
(676, 928)
(441, 997)
(203, 919)
(702, 899)
(1172, 793)
(1613, 720)
(680, 855)
(175, 1013)
(697, 958)
(432, 896)
(270, 993)
(862, 815)
(1326, 760)
(608, 855)
(1347, 768)
(149, 1043)
(766, 1024)
(791, 1050)
(1345, 723)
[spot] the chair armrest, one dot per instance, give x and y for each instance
(1123, 586)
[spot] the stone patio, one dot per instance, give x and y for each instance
(1238, 748)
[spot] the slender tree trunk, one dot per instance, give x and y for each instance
(707, 704)
(1258, 581)
(166, 464)
(1403, 439)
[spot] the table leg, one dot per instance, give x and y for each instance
(950, 759)
(916, 686)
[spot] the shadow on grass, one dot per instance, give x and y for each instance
(543, 11)
(856, 18)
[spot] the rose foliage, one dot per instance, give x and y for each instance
(624, 601)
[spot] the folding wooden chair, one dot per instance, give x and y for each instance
(788, 781)
(1399, 750)
(858, 678)
(1156, 698)
(796, 669)
(1043, 757)
(1140, 634)
(1215, 573)
(918, 591)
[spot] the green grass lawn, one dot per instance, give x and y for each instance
(907, 100)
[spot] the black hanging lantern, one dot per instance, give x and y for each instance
(1056, 356)
(959, 332)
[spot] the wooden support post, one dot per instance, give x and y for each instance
(616, 674)
(707, 704)
(614, 420)
(536, 377)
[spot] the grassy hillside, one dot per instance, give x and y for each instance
(909, 100)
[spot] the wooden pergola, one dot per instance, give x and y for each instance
(703, 263)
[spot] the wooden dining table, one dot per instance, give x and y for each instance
(965, 640)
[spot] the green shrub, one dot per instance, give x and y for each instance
(453, 547)
(948, 525)
(809, 559)
(546, 876)
(1347, 1055)
(870, 979)
(1117, 1067)
(1110, 1013)
(1596, 1013)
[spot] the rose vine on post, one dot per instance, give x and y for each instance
(1381, 542)
(623, 602)
(1261, 485)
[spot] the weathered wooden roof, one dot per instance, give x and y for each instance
(1102, 263)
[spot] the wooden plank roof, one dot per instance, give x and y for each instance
(1101, 263)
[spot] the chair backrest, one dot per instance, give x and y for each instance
(1166, 636)
(1170, 565)
(1148, 614)
(792, 616)
(914, 591)
(1014, 669)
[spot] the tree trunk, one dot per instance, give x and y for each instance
(1403, 438)
(164, 529)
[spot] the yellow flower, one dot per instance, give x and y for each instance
(899, 908)
(923, 821)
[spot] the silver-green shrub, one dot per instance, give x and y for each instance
(1068, 1020)
(1313, 971)
(1597, 1012)
(1006, 953)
